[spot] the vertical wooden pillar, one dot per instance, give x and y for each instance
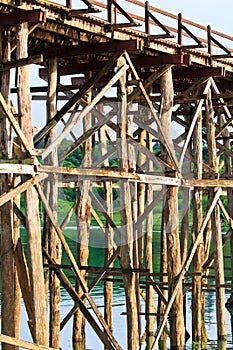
(10, 304)
(185, 204)
(83, 214)
(150, 307)
(197, 302)
(126, 220)
(52, 184)
(228, 173)
(215, 223)
(177, 327)
(108, 194)
(137, 234)
(163, 271)
(40, 322)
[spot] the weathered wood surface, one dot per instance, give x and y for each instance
(75, 267)
(22, 343)
(51, 184)
(127, 236)
(185, 268)
(215, 223)
(40, 323)
(177, 327)
(197, 295)
(10, 303)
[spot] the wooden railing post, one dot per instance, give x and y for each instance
(147, 24)
(209, 40)
(179, 29)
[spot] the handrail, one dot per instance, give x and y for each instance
(181, 30)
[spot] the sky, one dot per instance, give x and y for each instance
(217, 14)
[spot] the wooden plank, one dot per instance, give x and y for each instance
(22, 343)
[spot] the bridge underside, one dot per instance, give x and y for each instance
(133, 131)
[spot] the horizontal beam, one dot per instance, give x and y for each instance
(38, 59)
(87, 49)
(22, 343)
(20, 16)
(194, 73)
(104, 175)
(141, 62)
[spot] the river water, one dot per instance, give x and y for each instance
(119, 308)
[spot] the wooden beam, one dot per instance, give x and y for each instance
(18, 16)
(71, 124)
(21, 62)
(88, 49)
(24, 281)
(194, 73)
(141, 61)
(18, 189)
(74, 99)
(70, 289)
(15, 125)
(76, 269)
(185, 268)
(23, 344)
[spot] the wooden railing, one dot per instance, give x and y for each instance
(151, 18)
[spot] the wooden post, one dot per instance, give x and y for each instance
(163, 270)
(137, 233)
(215, 223)
(185, 204)
(150, 305)
(83, 216)
(228, 173)
(40, 323)
(197, 302)
(10, 305)
(52, 184)
(127, 235)
(177, 327)
(108, 194)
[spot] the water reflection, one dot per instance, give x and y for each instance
(119, 309)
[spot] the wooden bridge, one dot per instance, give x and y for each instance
(118, 77)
